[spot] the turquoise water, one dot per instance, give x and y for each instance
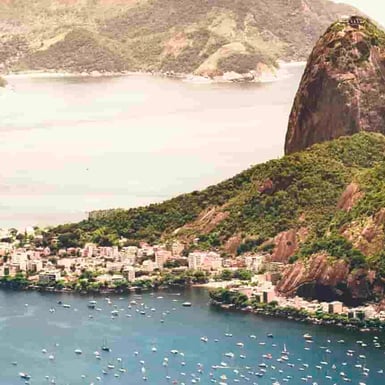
(26, 330)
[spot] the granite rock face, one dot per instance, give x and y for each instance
(342, 91)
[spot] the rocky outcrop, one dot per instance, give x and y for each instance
(286, 244)
(317, 269)
(342, 90)
(334, 276)
(350, 197)
(367, 234)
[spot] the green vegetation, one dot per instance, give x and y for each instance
(337, 247)
(229, 297)
(228, 275)
(157, 35)
(240, 301)
(299, 190)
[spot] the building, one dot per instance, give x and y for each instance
(268, 296)
(149, 265)
(254, 262)
(335, 307)
(356, 21)
(49, 277)
(35, 265)
(205, 261)
(129, 273)
(161, 256)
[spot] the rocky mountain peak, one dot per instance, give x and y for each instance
(342, 90)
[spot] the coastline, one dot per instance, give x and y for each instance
(229, 77)
(297, 316)
(260, 309)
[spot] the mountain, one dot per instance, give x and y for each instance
(321, 211)
(205, 37)
(342, 91)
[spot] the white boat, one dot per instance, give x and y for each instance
(78, 351)
(24, 376)
(187, 304)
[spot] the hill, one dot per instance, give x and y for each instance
(324, 205)
(174, 36)
(343, 88)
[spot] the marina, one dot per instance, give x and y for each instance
(83, 345)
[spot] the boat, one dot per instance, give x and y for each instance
(24, 376)
(92, 304)
(307, 336)
(105, 347)
(187, 304)
(78, 351)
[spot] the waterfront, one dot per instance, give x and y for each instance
(98, 143)
(26, 330)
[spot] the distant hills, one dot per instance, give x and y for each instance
(204, 37)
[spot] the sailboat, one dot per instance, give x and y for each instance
(105, 347)
(284, 351)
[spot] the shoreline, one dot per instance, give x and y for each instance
(263, 310)
(228, 77)
(282, 313)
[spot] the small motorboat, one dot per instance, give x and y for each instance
(24, 376)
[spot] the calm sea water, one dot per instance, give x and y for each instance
(70, 145)
(26, 330)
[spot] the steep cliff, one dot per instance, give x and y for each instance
(180, 36)
(342, 91)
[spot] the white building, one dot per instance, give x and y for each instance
(161, 256)
(129, 273)
(205, 261)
